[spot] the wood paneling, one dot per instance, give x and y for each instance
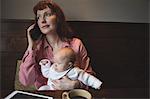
(118, 51)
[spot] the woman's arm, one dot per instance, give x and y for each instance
(65, 84)
(83, 58)
(27, 72)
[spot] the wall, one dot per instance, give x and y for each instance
(84, 10)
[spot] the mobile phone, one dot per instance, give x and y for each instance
(36, 32)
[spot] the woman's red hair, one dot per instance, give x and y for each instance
(64, 31)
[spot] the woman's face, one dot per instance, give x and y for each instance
(46, 21)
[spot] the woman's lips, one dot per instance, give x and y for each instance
(45, 26)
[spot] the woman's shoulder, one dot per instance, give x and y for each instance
(76, 41)
(76, 44)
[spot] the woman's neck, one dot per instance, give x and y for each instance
(53, 40)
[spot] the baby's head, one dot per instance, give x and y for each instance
(64, 59)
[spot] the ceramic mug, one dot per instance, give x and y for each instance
(76, 94)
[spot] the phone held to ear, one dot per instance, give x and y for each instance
(35, 32)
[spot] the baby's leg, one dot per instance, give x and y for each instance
(45, 87)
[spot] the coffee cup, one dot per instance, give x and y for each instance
(76, 94)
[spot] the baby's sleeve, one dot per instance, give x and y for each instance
(45, 68)
(89, 79)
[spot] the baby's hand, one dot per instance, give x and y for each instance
(44, 62)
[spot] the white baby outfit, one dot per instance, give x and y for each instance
(74, 73)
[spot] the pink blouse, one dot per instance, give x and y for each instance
(30, 70)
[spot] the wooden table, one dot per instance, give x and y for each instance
(106, 93)
(99, 94)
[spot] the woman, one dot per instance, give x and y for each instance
(55, 34)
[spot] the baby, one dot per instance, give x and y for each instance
(64, 66)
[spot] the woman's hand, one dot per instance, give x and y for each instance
(65, 84)
(30, 40)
